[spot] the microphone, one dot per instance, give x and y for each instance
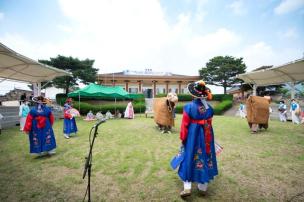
(99, 122)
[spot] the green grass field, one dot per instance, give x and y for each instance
(131, 163)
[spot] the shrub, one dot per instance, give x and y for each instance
(137, 98)
(184, 97)
(161, 95)
(179, 109)
(223, 106)
(86, 107)
(222, 97)
(225, 103)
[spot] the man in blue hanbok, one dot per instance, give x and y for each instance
(38, 125)
(69, 123)
(199, 164)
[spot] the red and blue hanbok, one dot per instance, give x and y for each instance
(199, 164)
(38, 125)
(69, 123)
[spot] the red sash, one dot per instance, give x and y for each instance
(206, 124)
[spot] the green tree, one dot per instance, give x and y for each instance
(82, 71)
(221, 71)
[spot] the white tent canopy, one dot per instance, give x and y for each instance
(14, 66)
(288, 73)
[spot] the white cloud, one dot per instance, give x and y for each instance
(135, 35)
(213, 43)
(65, 28)
(290, 33)
(1, 16)
(287, 6)
(132, 35)
(238, 7)
(261, 54)
(257, 55)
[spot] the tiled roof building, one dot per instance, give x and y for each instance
(147, 82)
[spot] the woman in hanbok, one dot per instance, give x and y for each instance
(282, 111)
(23, 112)
(38, 125)
(242, 111)
(69, 123)
(90, 116)
(295, 111)
(199, 164)
(129, 113)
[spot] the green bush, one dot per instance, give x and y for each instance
(161, 95)
(222, 97)
(138, 98)
(225, 103)
(179, 109)
(86, 107)
(221, 107)
(61, 98)
(188, 97)
(184, 97)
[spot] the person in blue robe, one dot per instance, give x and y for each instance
(199, 164)
(38, 126)
(69, 123)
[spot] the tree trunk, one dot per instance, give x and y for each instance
(225, 87)
(67, 87)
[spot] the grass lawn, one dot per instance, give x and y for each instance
(131, 163)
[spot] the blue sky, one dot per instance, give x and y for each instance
(178, 36)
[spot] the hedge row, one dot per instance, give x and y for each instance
(86, 107)
(218, 109)
(188, 97)
(225, 103)
(137, 98)
(223, 106)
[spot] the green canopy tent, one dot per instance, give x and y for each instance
(94, 91)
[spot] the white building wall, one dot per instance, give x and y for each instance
(52, 91)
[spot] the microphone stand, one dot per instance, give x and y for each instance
(89, 158)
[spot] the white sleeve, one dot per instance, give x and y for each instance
(20, 110)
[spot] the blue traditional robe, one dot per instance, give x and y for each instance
(69, 123)
(39, 127)
(199, 164)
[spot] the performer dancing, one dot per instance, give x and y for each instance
(38, 125)
(129, 113)
(199, 164)
(282, 111)
(69, 123)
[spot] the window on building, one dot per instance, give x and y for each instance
(133, 90)
(159, 90)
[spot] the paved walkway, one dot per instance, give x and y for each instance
(233, 111)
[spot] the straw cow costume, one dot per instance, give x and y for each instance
(257, 113)
(164, 111)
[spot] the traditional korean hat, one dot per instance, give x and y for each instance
(198, 89)
(41, 99)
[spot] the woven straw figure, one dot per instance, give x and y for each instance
(164, 112)
(257, 113)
